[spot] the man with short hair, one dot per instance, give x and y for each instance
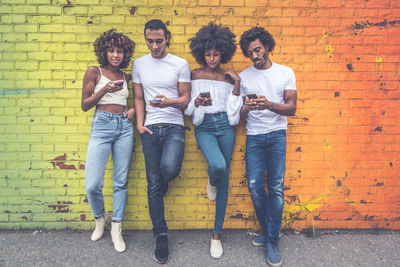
(270, 92)
(161, 83)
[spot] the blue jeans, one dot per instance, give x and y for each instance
(216, 138)
(267, 151)
(163, 155)
(110, 132)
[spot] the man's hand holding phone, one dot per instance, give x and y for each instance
(159, 101)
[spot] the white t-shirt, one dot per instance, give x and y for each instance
(272, 84)
(222, 101)
(161, 77)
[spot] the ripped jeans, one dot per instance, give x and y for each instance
(267, 151)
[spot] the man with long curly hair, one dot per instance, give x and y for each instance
(161, 82)
(270, 91)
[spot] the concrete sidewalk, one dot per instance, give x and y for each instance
(191, 248)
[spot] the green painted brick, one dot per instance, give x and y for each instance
(18, 200)
(4, 217)
(6, 47)
(49, 10)
(38, 1)
(31, 156)
(7, 138)
(39, 111)
(31, 191)
(58, 191)
(5, 9)
(53, 120)
(27, 65)
(6, 65)
(6, 28)
(13, 19)
(17, 147)
(44, 183)
(8, 120)
(20, 217)
(17, 56)
(17, 129)
(44, 217)
(8, 192)
(28, 120)
(54, 174)
(53, 103)
(30, 102)
(19, 165)
(13, 1)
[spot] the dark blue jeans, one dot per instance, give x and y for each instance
(267, 151)
(216, 138)
(163, 155)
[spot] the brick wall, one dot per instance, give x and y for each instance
(343, 145)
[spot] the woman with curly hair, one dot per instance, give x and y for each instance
(215, 105)
(106, 88)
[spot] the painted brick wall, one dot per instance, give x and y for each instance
(343, 145)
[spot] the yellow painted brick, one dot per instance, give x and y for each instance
(27, 84)
(26, 65)
(70, 56)
(6, 28)
(29, 138)
(37, 1)
(76, 10)
(40, 56)
(76, 28)
(43, 37)
(17, 56)
(26, 28)
(51, 84)
(8, 120)
(41, 129)
(17, 129)
(14, 37)
(24, 9)
(39, 75)
(17, 19)
(64, 19)
(49, 102)
(49, 9)
(5, 9)
(54, 174)
(64, 75)
(53, 120)
(51, 65)
(101, 10)
(63, 37)
(51, 28)
(112, 20)
(27, 47)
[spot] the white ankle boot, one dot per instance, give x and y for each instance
(116, 236)
(100, 224)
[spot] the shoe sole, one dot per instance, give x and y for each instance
(255, 244)
(161, 262)
(274, 264)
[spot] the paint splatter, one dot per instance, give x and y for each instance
(132, 10)
(350, 67)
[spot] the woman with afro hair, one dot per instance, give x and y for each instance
(105, 87)
(215, 109)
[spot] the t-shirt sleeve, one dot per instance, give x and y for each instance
(184, 73)
(291, 81)
(135, 73)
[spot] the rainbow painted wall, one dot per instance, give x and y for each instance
(343, 151)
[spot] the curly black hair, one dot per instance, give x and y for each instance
(110, 39)
(213, 36)
(256, 33)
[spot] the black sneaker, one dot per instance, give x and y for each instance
(161, 254)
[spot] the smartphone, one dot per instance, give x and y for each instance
(251, 96)
(155, 100)
(118, 82)
(205, 94)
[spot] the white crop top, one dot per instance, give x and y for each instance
(118, 98)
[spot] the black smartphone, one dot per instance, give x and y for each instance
(251, 96)
(205, 94)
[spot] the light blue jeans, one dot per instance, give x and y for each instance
(110, 132)
(267, 152)
(216, 138)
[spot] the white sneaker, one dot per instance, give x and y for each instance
(100, 224)
(116, 236)
(216, 249)
(211, 191)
